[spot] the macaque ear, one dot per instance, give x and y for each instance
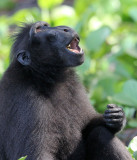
(23, 57)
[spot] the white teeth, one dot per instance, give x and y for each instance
(69, 46)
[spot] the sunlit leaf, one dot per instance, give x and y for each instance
(63, 15)
(84, 18)
(133, 144)
(26, 15)
(81, 6)
(23, 158)
(132, 148)
(49, 3)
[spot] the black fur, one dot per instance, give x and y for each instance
(44, 110)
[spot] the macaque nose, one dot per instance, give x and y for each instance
(51, 36)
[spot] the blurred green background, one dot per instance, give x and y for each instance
(108, 31)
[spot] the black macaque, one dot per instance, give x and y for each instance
(44, 110)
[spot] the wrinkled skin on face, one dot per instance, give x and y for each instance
(55, 45)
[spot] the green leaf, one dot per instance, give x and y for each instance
(129, 94)
(135, 155)
(97, 38)
(26, 15)
(133, 13)
(133, 144)
(63, 15)
(81, 6)
(84, 18)
(23, 158)
(129, 112)
(132, 148)
(129, 45)
(48, 3)
(132, 123)
(7, 4)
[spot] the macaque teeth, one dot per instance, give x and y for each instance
(80, 50)
(68, 46)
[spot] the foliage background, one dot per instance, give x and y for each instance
(108, 31)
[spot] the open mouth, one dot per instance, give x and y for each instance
(73, 46)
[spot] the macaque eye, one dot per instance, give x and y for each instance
(38, 29)
(41, 27)
(46, 25)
